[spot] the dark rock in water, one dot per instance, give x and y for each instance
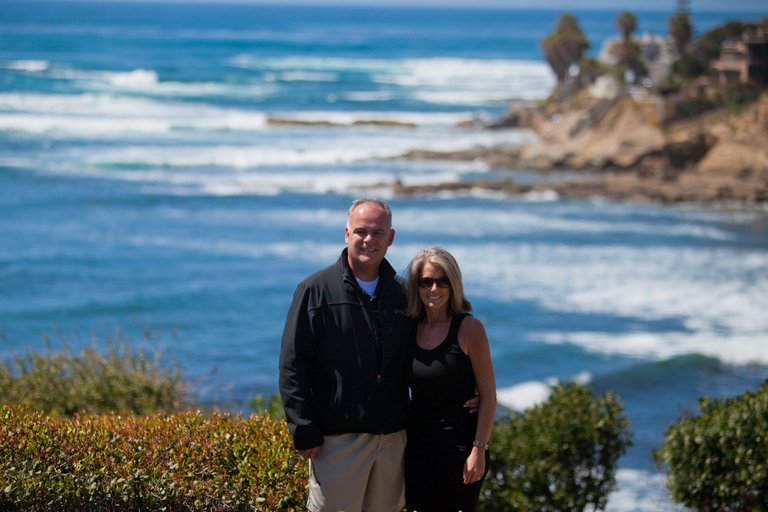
(384, 122)
(296, 122)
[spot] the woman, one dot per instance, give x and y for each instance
(446, 457)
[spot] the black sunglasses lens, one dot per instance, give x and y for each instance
(427, 282)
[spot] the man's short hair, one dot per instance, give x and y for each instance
(370, 200)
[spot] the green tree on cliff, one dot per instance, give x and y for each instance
(680, 27)
(627, 23)
(565, 46)
(681, 32)
(627, 52)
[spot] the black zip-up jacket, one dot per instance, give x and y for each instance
(339, 373)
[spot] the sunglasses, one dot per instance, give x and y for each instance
(427, 282)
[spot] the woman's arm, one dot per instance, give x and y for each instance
(474, 342)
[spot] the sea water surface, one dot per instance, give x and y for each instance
(143, 187)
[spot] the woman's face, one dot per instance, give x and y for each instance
(434, 287)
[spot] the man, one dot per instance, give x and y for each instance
(342, 376)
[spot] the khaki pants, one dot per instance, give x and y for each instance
(354, 472)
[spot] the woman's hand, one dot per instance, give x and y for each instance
(474, 467)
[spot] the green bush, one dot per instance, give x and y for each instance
(558, 456)
(172, 463)
(122, 378)
(718, 461)
(272, 406)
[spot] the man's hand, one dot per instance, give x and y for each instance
(473, 404)
(309, 454)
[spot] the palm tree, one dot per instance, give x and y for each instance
(627, 23)
(565, 46)
(680, 27)
(628, 57)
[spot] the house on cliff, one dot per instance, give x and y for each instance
(743, 60)
(656, 53)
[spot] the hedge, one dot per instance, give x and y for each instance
(105, 376)
(559, 456)
(168, 463)
(718, 461)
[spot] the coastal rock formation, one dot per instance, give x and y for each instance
(623, 152)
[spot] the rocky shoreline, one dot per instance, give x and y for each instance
(620, 151)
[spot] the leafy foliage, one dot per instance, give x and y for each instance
(718, 461)
(680, 26)
(626, 23)
(123, 378)
(707, 46)
(172, 463)
(565, 46)
(558, 456)
(628, 57)
(272, 406)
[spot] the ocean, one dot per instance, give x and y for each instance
(151, 180)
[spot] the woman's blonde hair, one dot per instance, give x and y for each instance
(442, 259)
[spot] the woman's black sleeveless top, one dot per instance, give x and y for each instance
(441, 380)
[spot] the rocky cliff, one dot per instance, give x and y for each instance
(622, 151)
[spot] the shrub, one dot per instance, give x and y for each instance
(272, 406)
(172, 463)
(718, 461)
(123, 378)
(558, 456)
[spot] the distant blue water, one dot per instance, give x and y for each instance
(142, 187)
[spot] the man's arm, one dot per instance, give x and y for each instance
(296, 355)
(473, 404)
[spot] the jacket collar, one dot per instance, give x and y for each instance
(386, 272)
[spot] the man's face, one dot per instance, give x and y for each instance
(368, 236)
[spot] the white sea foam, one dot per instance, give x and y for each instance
(107, 115)
(91, 126)
(138, 78)
(309, 251)
(640, 491)
(739, 349)
(510, 222)
(306, 76)
(435, 80)
(147, 81)
(528, 394)
(273, 146)
(240, 174)
(93, 114)
(709, 301)
(371, 95)
(30, 66)
(524, 396)
(440, 119)
(469, 81)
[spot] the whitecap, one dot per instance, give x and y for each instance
(523, 396)
(529, 394)
(306, 76)
(639, 491)
(138, 78)
(30, 66)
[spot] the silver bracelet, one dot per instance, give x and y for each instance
(480, 443)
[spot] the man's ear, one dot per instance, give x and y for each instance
(391, 237)
(346, 235)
